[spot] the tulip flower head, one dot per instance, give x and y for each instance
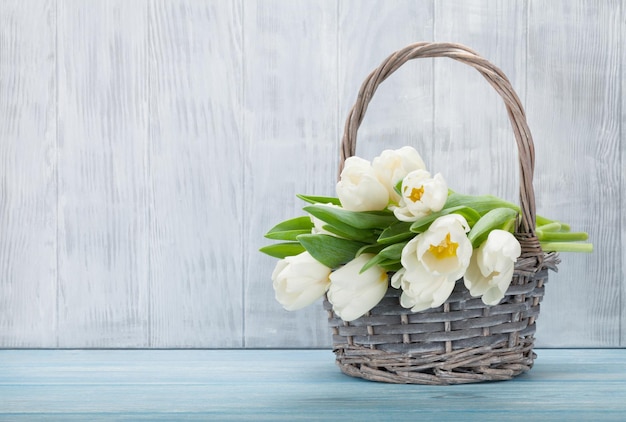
(491, 267)
(353, 293)
(391, 166)
(421, 195)
(432, 262)
(359, 189)
(299, 281)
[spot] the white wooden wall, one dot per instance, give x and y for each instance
(146, 146)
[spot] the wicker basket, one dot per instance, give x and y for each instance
(463, 340)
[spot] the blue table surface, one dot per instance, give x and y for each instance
(224, 385)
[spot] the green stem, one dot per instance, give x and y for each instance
(565, 227)
(550, 227)
(543, 221)
(561, 237)
(550, 224)
(566, 247)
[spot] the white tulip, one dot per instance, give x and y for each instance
(391, 166)
(491, 267)
(359, 189)
(352, 293)
(421, 195)
(422, 290)
(443, 249)
(433, 261)
(299, 281)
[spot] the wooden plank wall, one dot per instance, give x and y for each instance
(28, 175)
(146, 146)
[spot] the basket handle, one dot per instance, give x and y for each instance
(494, 76)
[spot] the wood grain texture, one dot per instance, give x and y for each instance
(290, 136)
(622, 166)
(276, 385)
(103, 168)
(27, 174)
(196, 174)
(401, 111)
(473, 145)
(185, 129)
(573, 106)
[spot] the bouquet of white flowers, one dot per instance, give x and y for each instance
(423, 284)
(392, 216)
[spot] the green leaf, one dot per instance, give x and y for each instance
(481, 204)
(311, 199)
(422, 224)
(347, 232)
(393, 252)
(365, 220)
(495, 219)
(330, 250)
(283, 250)
(386, 264)
(398, 187)
(375, 260)
(287, 235)
(485, 203)
(389, 255)
(373, 249)
(302, 223)
(397, 232)
(391, 266)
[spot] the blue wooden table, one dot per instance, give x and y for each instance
(291, 385)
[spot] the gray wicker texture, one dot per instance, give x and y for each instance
(463, 340)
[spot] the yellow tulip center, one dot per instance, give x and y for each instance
(445, 249)
(416, 194)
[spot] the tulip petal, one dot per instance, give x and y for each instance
(352, 292)
(359, 189)
(491, 267)
(299, 281)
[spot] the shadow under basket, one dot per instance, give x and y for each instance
(462, 341)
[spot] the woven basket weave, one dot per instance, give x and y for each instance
(463, 340)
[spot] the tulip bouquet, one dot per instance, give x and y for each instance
(394, 224)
